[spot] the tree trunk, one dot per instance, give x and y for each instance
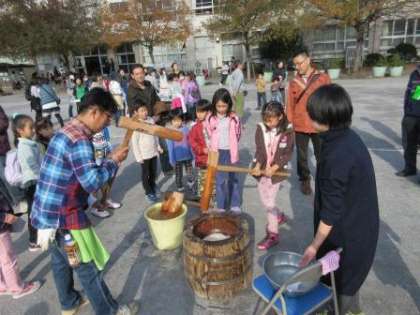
(150, 50)
(247, 56)
(66, 61)
(360, 43)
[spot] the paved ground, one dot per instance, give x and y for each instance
(138, 271)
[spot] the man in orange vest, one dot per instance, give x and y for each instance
(306, 81)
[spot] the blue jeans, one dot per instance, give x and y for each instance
(227, 185)
(261, 98)
(90, 277)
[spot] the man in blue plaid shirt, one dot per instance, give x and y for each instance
(68, 175)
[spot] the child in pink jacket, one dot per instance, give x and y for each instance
(224, 130)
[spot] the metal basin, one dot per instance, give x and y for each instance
(280, 266)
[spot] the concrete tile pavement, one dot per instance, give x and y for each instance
(156, 279)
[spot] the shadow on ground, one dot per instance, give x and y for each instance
(389, 258)
(383, 149)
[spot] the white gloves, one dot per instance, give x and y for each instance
(46, 236)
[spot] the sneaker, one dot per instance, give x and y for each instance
(113, 204)
(100, 213)
(157, 193)
(236, 210)
(405, 173)
(168, 173)
(151, 198)
(129, 309)
(269, 241)
(33, 247)
(217, 210)
(191, 187)
(281, 218)
(29, 288)
(21, 207)
(76, 310)
(305, 187)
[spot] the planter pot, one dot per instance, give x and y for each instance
(396, 71)
(379, 72)
(334, 73)
(200, 80)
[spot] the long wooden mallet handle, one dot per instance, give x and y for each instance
(155, 130)
(213, 159)
(126, 141)
(239, 169)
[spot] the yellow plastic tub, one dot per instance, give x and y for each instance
(166, 234)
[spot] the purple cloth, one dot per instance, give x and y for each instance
(330, 262)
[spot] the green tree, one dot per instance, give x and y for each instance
(253, 21)
(282, 47)
(29, 28)
(358, 14)
(147, 22)
(243, 19)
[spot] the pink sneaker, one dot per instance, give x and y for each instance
(269, 241)
(29, 288)
(281, 218)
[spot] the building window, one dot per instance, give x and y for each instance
(165, 55)
(334, 39)
(399, 31)
(125, 57)
(96, 61)
(203, 7)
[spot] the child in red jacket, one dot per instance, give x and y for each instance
(199, 141)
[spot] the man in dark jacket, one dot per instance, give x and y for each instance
(411, 124)
(141, 90)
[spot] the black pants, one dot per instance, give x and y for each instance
(178, 172)
(71, 109)
(148, 175)
(58, 117)
(29, 195)
(411, 134)
(302, 143)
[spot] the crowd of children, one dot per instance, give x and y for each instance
(216, 128)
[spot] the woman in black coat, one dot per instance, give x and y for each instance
(346, 204)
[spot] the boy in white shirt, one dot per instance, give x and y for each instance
(146, 149)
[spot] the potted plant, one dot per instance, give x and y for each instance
(396, 65)
(334, 68)
(379, 67)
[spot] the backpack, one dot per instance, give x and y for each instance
(13, 171)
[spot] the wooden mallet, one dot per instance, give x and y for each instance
(151, 129)
(213, 168)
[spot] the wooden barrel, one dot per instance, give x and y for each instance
(217, 270)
